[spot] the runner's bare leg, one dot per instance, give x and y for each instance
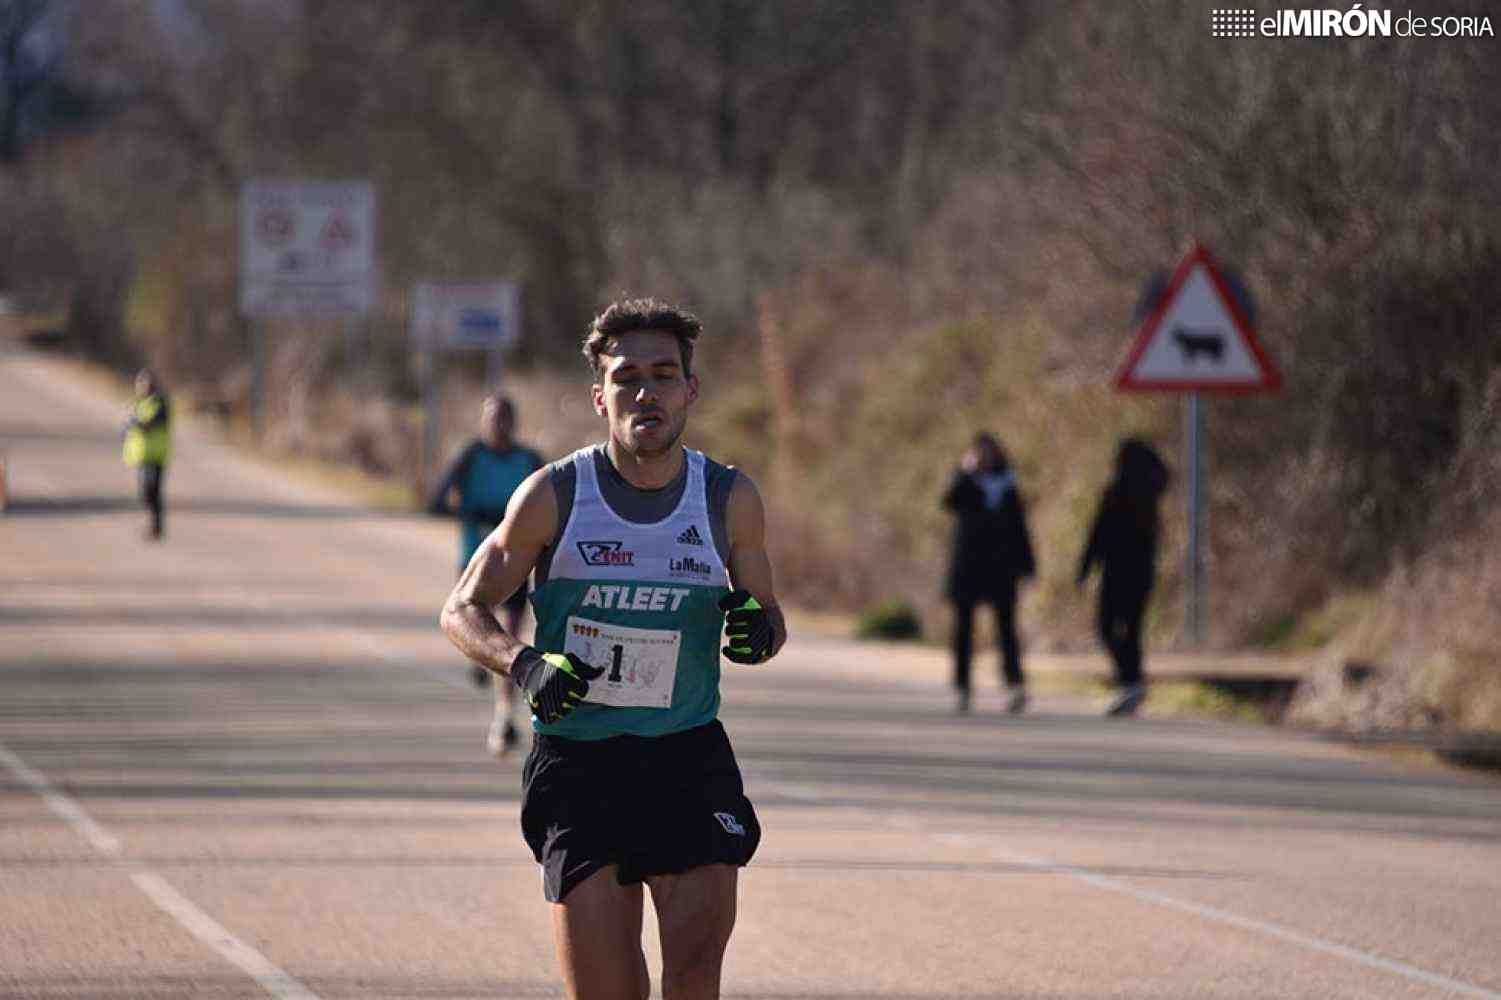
(597, 928)
(696, 913)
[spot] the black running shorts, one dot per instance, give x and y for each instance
(651, 805)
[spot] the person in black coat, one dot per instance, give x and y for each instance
(992, 552)
(1123, 540)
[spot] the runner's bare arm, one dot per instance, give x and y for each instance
(750, 567)
(498, 569)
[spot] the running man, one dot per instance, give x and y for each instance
(485, 475)
(631, 780)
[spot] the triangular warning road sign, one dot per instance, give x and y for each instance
(338, 232)
(1197, 338)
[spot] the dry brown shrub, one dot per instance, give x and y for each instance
(1429, 637)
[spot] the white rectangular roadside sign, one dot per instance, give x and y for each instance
(307, 247)
(477, 314)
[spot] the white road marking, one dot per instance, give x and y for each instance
(102, 840)
(203, 927)
(239, 954)
(1263, 927)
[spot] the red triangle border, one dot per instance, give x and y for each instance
(1271, 377)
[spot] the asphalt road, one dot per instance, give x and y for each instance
(245, 763)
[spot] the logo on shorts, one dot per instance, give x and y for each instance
(606, 554)
(730, 824)
(691, 536)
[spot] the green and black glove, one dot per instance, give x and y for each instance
(747, 625)
(552, 683)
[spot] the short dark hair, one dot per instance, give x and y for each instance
(987, 439)
(629, 315)
(502, 403)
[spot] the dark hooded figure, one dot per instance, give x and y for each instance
(992, 552)
(1123, 540)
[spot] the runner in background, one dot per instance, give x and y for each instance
(477, 487)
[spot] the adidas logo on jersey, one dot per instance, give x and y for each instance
(691, 536)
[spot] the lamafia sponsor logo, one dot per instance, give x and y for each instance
(1351, 22)
(689, 566)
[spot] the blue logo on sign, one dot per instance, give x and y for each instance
(480, 321)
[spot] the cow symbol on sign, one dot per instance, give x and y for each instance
(1193, 341)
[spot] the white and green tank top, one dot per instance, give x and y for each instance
(640, 601)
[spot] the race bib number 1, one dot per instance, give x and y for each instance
(640, 664)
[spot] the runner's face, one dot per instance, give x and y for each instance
(496, 424)
(989, 455)
(644, 393)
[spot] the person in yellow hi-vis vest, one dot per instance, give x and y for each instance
(148, 443)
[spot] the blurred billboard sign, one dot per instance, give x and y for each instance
(307, 248)
(483, 315)
(1197, 337)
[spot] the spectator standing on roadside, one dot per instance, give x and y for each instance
(148, 444)
(992, 553)
(1123, 540)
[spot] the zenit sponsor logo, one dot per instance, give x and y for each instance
(606, 554)
(633, 597)
(689, 566)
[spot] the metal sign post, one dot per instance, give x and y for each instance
(257, 379)
(494, 367)
(426, 461)
(1194, 562)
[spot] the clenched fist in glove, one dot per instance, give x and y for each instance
(747, 625)
(552, 683)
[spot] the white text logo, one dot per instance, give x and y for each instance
(1355, 22)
